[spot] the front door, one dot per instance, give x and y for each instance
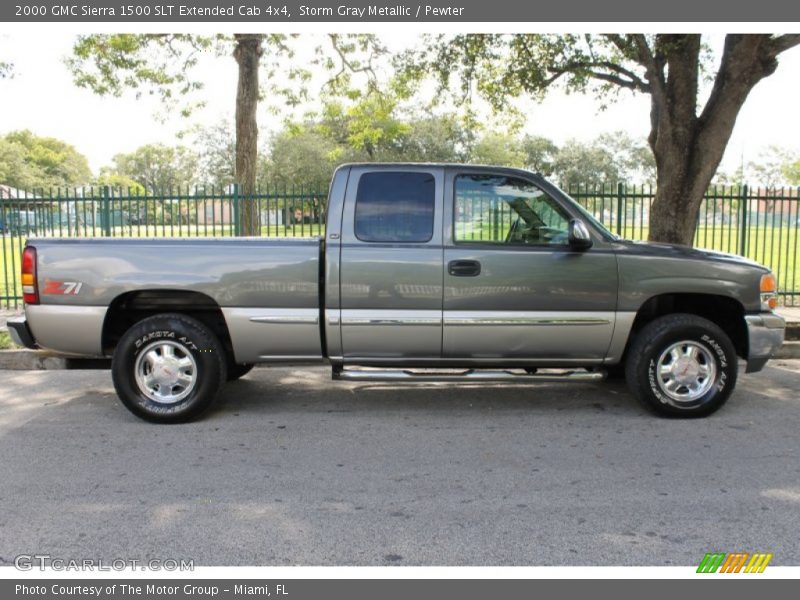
(514, 288)
(391, 264)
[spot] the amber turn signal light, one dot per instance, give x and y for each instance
(769, 292)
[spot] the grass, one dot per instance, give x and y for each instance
(5, 341)
(775, 247)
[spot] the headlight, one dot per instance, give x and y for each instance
(769, 292)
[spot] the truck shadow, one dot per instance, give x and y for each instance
(268, 390)
(253, 396)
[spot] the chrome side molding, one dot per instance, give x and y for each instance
(526, 321)
(285, 320)
(385, 321)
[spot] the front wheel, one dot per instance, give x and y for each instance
(168, 368)
(681, 365)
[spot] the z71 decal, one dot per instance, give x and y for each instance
(64, 288)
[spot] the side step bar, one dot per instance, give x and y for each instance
(469, 375)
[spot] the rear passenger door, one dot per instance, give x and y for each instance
(391, 264)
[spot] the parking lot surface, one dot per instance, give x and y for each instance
(291, 468)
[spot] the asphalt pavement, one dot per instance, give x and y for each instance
(291, 468)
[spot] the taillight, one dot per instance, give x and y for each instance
(30, 288)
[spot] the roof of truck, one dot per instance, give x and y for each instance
(435, 164)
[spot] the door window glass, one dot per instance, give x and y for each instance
(497, 209)
(395, 207)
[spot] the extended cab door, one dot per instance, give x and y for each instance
(514, 288)
(391, 263)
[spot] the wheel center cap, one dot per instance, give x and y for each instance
(167, 372)
(685, 370)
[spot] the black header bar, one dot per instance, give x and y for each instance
(433, 11)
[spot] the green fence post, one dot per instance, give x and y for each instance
(620, 207)
(743, 200)
(237, 227)
(106, 214)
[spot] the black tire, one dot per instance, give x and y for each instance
(190, 341)
(236, 371)
(685, 333)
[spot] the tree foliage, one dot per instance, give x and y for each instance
(775, 166)
(216, 154)
(154, 167)
(791, 172)
(29, 161)
(151, 64)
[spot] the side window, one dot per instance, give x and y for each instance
(395, 207)
(497, 209)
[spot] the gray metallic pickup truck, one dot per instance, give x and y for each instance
(427, 272)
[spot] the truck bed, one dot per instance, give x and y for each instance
(235, 272)
(268, 290)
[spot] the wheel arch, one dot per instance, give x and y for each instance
(129, 308)
(724, 311)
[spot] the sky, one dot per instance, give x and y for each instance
(41, 97)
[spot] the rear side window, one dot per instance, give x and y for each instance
(395, 207)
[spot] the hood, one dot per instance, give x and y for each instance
(678, 251)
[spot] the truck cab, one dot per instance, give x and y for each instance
(460, 266)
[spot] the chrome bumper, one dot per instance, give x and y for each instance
(20, 333)
(765, 333)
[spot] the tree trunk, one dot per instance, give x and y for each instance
(247, 54)
(688, 148)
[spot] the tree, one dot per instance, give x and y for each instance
(302, 156)
(305, 154)
(216, 152)
(498, 149)
(772, 168)
(248, 56)
(28, 161)
(431, 138)
(631, 158)
(540, 153)
(791, 172)
(156, 167)
(110, 64)
(584, 164)
(687, 143)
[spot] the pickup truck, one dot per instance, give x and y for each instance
(426, 272)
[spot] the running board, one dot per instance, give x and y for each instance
(470, 375)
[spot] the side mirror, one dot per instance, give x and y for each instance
(579, 237)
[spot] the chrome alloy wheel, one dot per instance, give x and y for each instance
(166, 372)
(686, 371)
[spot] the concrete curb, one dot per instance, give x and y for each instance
(30, 360)
(789, 349)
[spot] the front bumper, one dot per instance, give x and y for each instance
(765, 333)
(20, 332)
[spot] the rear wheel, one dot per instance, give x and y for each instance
(168, 368)
(681, 365)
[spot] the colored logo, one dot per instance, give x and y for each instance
(734, 562)
(65, 288)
